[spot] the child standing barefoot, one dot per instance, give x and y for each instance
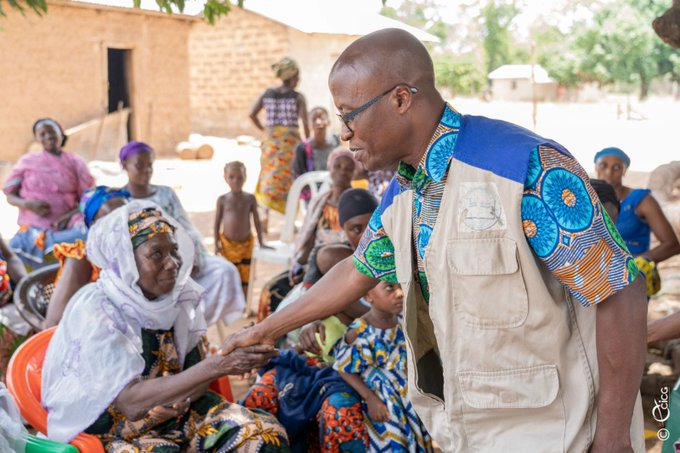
(233, 236)
(372, 359)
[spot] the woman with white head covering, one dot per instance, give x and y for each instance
(127, 362)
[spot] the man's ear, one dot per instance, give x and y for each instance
(405, 97)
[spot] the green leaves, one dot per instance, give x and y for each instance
(211, 10)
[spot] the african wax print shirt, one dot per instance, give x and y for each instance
(552, 208)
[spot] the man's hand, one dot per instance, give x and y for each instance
(308, 340)
(248, 336)
(242, 360)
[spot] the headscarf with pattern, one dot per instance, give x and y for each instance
(286, 68)
(145, 224)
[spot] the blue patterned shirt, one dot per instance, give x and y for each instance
(563, 221)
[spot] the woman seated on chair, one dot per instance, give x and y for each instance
(321, 226)
(127, 361)
(46, 187)
(75, 269)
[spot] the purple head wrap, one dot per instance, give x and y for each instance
(132, 149)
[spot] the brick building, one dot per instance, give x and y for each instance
(231, 61)
(176, 73)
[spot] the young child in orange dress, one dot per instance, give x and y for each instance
(233, 236)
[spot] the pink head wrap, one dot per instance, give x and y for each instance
(339, 152)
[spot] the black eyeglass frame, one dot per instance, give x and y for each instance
(349, 116)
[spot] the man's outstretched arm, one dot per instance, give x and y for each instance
(338, 289)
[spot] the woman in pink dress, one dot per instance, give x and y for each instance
(46, 186)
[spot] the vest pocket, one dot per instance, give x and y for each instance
(517, 409)
(487, 283)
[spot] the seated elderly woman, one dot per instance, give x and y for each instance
(224, 300)
(127, 362)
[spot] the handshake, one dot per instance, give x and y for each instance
(244, 352)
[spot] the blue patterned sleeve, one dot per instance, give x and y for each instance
(374, 256)
(568, 229)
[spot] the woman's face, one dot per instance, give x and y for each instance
(342, 170)
(108, 206)
(354, 228)
(49, 137)
(158, 264)
(139, 168)
(610, 169)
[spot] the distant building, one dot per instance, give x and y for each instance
(80, 61)
(231, 61)
(174, 74)
(513, 82)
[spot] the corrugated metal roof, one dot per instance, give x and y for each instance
(308, 16)
(331, 17)
(521, 71)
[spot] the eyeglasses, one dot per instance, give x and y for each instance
(349, 116)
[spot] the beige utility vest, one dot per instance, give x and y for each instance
(502, 358)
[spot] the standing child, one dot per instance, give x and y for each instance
(372, 359)
(233, 236)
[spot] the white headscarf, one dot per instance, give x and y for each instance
(96, 350)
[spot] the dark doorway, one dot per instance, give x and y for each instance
(119, 60)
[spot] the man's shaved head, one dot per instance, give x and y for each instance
(391, 55)
(383, 85)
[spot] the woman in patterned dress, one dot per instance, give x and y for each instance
(283, 107)
(127, 362)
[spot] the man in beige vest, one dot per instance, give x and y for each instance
(509, 263)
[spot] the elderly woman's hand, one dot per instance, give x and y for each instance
(243, 360)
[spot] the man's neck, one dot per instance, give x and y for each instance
(414, 158)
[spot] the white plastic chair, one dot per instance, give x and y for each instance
(284, 248)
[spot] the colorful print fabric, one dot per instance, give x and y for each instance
(379, 357)
(276, 175)
(210, 424)
(340, 420)
(563, 220)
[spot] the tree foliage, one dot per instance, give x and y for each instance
(211, 10)
(495, 20)
(621, 47)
